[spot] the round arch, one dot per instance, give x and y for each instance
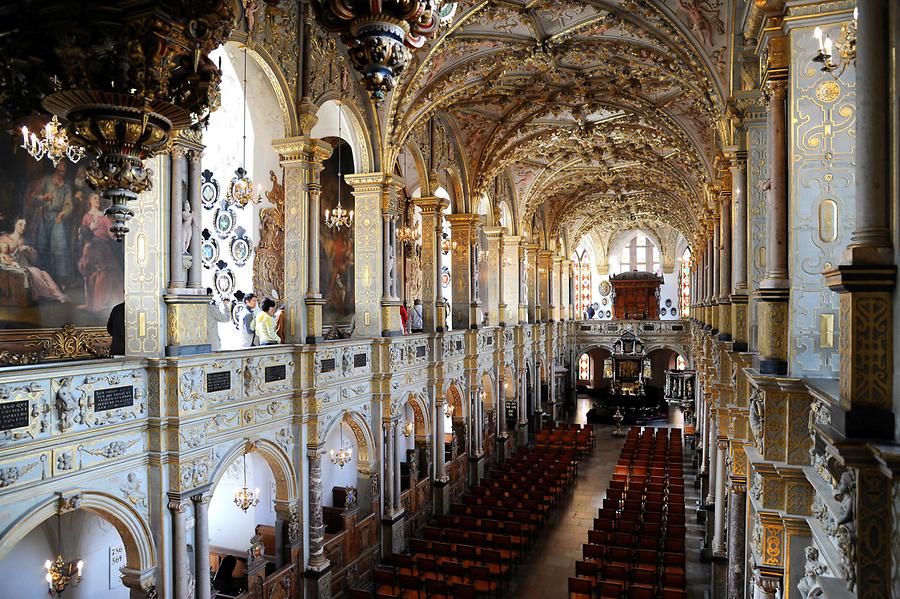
(420, 412)
(140, 550)
(286, 488)
(361, 433)
(333, 110)
(274, 74)
(455, 399)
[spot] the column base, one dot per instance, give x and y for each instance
(440, 493)
(318, 583)
(393, 534)
(502, 446)
(476, 469)
(522, 434)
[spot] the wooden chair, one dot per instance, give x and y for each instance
(580, 588)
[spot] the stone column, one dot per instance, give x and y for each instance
(502, 427)
(710, 458)
(708, 265)
(545, 304)
(719, 525)
(388, 467)
(522, 405)
(195, 280)
(774, 287)
(493, 264)
(533, 284)
(317, 560)
(301, 158)
(180, 572)
(512, 284)
(466, 307)
(315, 303)
(398, 487)
(703, 419)
(556, 289)
(201, 544)
(740, 323)
(177, 279)
(867, 277)
(432, 215)
(724, 299)
(524, 308)
(715, 267)
(737, 532)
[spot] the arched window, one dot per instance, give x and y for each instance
(685, 283)
(639, 254)
(586, 369)
(582, 268)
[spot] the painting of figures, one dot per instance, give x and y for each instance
(336, 270)
(59, 264)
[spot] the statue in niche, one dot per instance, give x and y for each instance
(187, 225)
(69, 405)
(812, 570)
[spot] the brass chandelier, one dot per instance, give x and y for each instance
(381, 34)
(121, 79)
(60, 573)
(244, 498)
(845, 45)
(52, 143)
(240, 191)
(344, 454)
(338, 217)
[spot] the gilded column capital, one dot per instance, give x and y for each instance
(302, 148)
(431, 204)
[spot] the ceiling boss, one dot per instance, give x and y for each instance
(381, 34)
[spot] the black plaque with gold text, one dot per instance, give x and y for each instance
(218, 381)
(13, 414)
(113, 398)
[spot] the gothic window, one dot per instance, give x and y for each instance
(685, 283)
(586, 369)
(582, 271)
(639, 254)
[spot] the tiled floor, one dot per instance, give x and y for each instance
(546, 571)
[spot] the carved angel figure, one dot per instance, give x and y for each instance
(812, 570)
(844, 494)
(757, 414)
(68, 405)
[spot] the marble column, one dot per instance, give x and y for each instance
(201, 544)
(715, 267)
(708, 266)
(718, 545)
(177, 278)
(512, 284)
(502, 427)
(740, 322)
(710, 458)
(398, 487)
(772, 334)
(545, 304)
(704, 434)
(491, 297)
(466, 307)
(556, 304)
(523, 284)
(317, 560)
(432, 216)
(440, 463)
(522, 405)
(724, 299)
(737, 533)
(315, 303)
(391, 325)
(180, 571)
(388, 457)
(195, 280)
(301, 158)
(533, 284)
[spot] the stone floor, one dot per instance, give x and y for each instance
(545, 573)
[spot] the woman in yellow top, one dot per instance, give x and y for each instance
(265, 323)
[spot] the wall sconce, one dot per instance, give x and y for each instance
(845, 44)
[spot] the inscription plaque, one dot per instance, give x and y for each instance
(218, 381)
(113, 398)
(13, 414)
(328, 364)
(360, 360)
(421, 351)
(275, 373)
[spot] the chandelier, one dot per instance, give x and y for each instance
(342, 456)
(53, 143)
(845, 44)
(60, 573)
(244, 498)
(381, 34)
(122, 80)
(408, 428)
(339, 218)
(240, 191)
(407, 235)
(448, 410)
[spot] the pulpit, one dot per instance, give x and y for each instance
(635, 295)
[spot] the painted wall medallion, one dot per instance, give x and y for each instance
(608, 314)
(209, 189)
(445, 277)
(673, 311)
(209, 249)
(224, 278)
(668, 303)
(240, 247)
(662, 311)
(605, 287)
(604, 301)
(224, 221)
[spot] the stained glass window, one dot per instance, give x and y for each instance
(685, 283)
(582, 271)
(585, 369)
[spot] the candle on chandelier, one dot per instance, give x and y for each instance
(828, 46)
(817, 33)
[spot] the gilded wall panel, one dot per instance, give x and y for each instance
(822, 205)
(757, 155)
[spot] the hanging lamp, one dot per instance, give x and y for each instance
(60, 573)
(240, 191)
(244, 498)
(339, 218)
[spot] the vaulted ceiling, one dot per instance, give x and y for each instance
(604, 113)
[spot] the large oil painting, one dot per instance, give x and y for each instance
(336, 269)
(59, 264)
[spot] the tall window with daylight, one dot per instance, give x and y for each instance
(685, 283)
(582, 285)
(639, 254)
(585, 370)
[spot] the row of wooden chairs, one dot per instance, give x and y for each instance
(636, 549)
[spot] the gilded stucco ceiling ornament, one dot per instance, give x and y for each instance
(381, 34)
(123, 80)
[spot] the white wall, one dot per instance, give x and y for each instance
(85, 536)
(332, 474)
(229, 527)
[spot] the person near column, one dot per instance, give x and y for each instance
(216, 314)
(415, 317)
(265, 323)
(404, 317)
(247, 321)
